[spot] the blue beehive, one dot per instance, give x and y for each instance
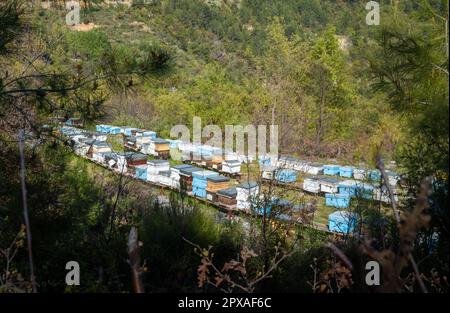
(196, 152)
(348, 187)
(331, 169)
(149, 133)
(199, 182)
(375, 175)
(114, 130)
(264, 160)
(286, 175)
(280, 206)
(100, 128)
(106, 129)
(365, 191)
(128, 131)
(260, 210)
(206, 152)
(342, 222)
(173, 144)
(346, 171)
(141, 172)
(337, 200)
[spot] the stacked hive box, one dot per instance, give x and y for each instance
(312, 168)
(102, 128)
(348, 187)
(216, 159)
(227, 197)
(110, 159)
(81, 148)
(134, 159)
(143, 138)
(342, 222)
(186, 150)
(214, 184)
(175, 174)
(331, 169)
(159, 147)
(286, 175)
(114, 130)
(365, 191)
(375, 175)
(96, 147)
(186, 177)
(346, 171)
(130, 142)
(199, 182)
(231, 166)
(268, 171)
(382, 194)
(311, 184)
(154, 167)
(197, 153)
(360, 173)
(230, 155)
(95, 135)
(163, 178)
(328, 185)
(121, 165)
(141, 172)
(300, 165)
(337, 200)
(246, 193)
(128, 131)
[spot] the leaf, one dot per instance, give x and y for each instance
(203, 272)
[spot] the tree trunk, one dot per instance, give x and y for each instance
(319, 128)
(135, 261)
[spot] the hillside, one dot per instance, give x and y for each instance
(362, 116)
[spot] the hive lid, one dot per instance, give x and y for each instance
(218, 179)
(156, 162)
(204, 174)
(182, 166)
(229, 192)
(136, 156)
(331, 165)
(159, 140)
(188, 171)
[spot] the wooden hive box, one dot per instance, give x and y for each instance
(186, 177)
(211, 196)
(216, 183)
(227, 197)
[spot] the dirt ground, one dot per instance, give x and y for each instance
(83, 27)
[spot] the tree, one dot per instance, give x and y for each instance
(329, 83)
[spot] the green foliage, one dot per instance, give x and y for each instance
(154, 57)
(10, 23)
(172, 261)
(228, 62)
(92, 44)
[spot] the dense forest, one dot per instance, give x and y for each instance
(338, 88)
